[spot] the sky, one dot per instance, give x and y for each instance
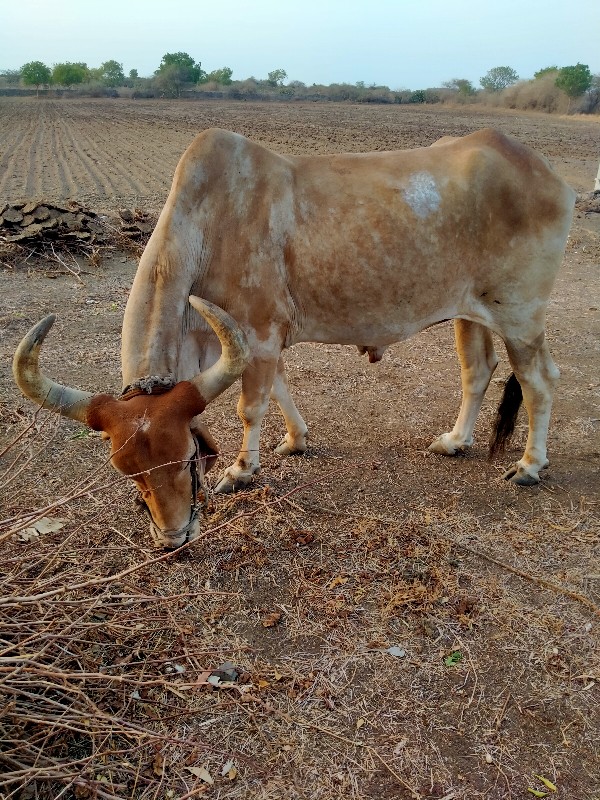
(403, 44)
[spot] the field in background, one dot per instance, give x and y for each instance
(401, 625)
(115, 151)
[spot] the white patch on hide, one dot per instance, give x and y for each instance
(251, 280)
(422, 194)
(143, 423)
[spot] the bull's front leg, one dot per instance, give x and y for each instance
(252, 407)
(295, 440)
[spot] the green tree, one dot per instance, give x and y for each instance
(545, 71)
(276, 77)
(111, 73)
(35, 73)
(68, 74)
(133, 75)
(461, 85)
(574, 81)
(417, 97)
(498, 78)
(188, 71)
(222, 76)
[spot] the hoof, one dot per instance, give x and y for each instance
(228, 484)
(284, 448)
(444, 446)
(517, 474)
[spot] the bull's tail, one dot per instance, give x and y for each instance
(506, 416)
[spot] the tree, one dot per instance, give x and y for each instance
(69, 73)
(276, 77)
(545, 71)
(461, 85)
(188, 71)
(222, 76)
(498, 78)
(133, 75)
(417, 97)
(574, 81)
(111, 73)
(11, 77)
(35, 73)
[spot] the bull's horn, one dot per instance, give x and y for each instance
(235, 352)
(34, 384)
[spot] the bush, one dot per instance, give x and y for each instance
(417, 97)
(541, 94)
(94, 89)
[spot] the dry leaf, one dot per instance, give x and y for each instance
(202, 773)
(359, 723)
(400, 746)
(202, 679)
(158, 765)
(271, 619)
(41, 526)
(339, 581)
(548, 784)
(396, 651)
(49, 525)
(229, 770)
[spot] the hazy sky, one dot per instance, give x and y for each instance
(400, 43)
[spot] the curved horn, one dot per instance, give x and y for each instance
(235, 352)
(34, 384)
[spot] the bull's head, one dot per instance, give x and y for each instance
(156, 438)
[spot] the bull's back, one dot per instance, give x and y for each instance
(392, 242)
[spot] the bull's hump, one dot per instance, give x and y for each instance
(230, 144)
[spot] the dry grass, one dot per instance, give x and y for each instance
(105, 660)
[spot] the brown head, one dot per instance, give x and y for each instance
(156, 438)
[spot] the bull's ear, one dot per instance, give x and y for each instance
(101, 413)
(209, 449)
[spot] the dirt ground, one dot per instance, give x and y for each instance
(406, 625)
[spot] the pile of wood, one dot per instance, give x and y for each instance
(29, 222)
(588, 202)
(46, 228)
(136, 224)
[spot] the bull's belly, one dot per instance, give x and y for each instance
(376, 330)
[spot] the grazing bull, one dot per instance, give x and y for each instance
(363, 249)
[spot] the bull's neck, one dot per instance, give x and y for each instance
(154, 325)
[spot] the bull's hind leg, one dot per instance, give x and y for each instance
(297, 433)
(478, 361)
(252, 407)
(538, 375)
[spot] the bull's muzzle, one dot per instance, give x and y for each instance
(172, 540)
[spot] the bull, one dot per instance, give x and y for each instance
(365, 249)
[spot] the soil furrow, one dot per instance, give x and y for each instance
(39, 156)
(66, 182)
(93, 178)
(100, 147)
(16, 160)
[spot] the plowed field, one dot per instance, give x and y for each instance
(404, 625)
(115, 151)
